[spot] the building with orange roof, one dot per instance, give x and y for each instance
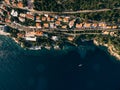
(37, 17)
(44, 18)
(102, 25)
(20, 4)
(70, 38)
(64, 26)
(79, 25)
(57, 23)
(52, 19)
(29, 16)
(46, 25)
(20, 35)
(60, 19)
(7, 20)
(38, 25)
(114, 27)
(108, 27)
(87, 25)
(39, 33)
(94, 25)
(66, 19)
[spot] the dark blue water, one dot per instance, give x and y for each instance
(56, 70)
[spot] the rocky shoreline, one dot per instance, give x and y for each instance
(110, 48)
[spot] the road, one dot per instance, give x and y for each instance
(69, 12)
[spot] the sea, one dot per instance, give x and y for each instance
(85, 67)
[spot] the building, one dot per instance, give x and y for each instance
(2, 27)
(66, 19)
(48, 18)
(46, 25)
(30, 16)
(39, 33)
(52, 25)
(30, 34)
(54, 38)
(94, 25)
(22, 19)
(14, 13)
(57, 23)
(44, 18)
(64, 27)
(20, 4)
(71, 23)
(87, 25)
(7, 2)
(59, 19)
(79, 25)
(102, 25)
(38, 25)
(31, 38)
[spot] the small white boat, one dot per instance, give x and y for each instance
(80, 65)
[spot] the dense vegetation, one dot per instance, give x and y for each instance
(67, 5)
(112, 16)
(115, 41)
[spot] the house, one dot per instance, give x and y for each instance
(22, 15)
(20, 35)
(79, 25)
(54, 38)
(102, 25)
(52, 19)
(14, 13)
(46, 25)
(108, 27)
(38, 25)
(22, 19)
(66, 19)
(70, 38)
(56, 47)
(31, 38)
(64, 26)
(37, 17)
(59, 19)
(30, 16)
(20, 4)
(94, 25)
(52, 25)
(30, 34)
(57, 23)
(7, 2)
(48, 18)
(2, 27)
(87, 25)
(46, 15)
(44, 18)
(71, 23)
(105, 32)
(114, 27)
(39, 33)
(7, 20)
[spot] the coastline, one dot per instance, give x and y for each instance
(110, 49)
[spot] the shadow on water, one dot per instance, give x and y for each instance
(56, 70)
